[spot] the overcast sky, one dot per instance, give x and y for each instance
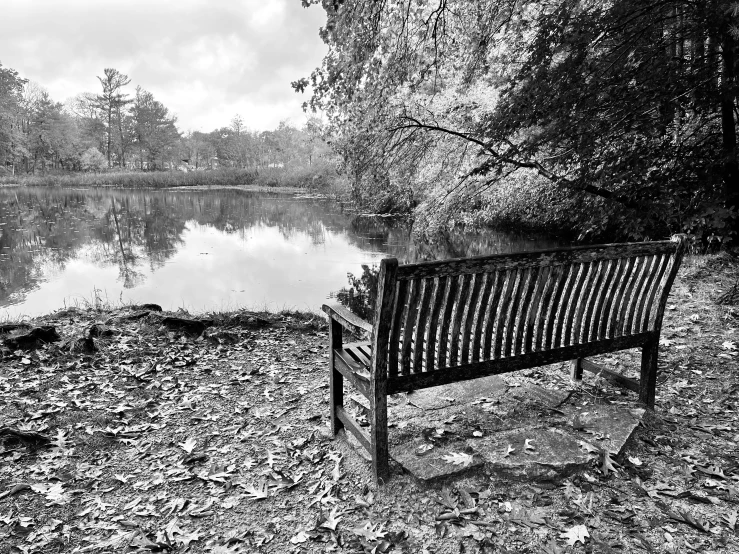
(206, 60)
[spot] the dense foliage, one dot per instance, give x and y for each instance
(621, 113)
(96, 131)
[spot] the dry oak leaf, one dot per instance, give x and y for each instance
(577, 534)
(258, 492)
(332, 519)
(188, 445)
(458, 458)
(369, 531)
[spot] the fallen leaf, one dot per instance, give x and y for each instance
(188, 445)
(258, 492)
(458, 458)
(369, 531)
(577, 534)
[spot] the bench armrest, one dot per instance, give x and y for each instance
(346, 318)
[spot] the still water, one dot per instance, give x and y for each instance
(196, 249)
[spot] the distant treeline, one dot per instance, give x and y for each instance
(119, 128)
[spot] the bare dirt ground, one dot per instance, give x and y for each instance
(165, 439)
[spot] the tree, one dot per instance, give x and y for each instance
(11, 90)
(627, 104)
(111, 101)
(92, 160)
(153, 128)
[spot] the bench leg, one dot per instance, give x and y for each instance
(336, 379)
(576, 370)
(648, 380)
(378, 440)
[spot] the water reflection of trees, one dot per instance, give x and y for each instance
(41, 230)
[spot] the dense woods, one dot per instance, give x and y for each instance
(119, 128)
(613, 118)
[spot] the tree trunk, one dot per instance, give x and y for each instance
(728, 128)
(110, 131)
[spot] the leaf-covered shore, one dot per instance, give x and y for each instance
(136, 432)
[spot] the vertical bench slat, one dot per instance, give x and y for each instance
(556, 306)
(636, 293)
(399, 306)
(420, 342)
(645, 307)
(584, 307)
(409, 325)
(482, 312)
(468, 330)
(522, 317)
(533, 319)
(574, 301)
(577, 277)
(455, 336)
(443, 339)
(611, 311)
(440, 291)
(592, 321)
(676, 259)
(492, 311)
(511, 320)
(623, 308)
(550, 287)
(665, 283)
(512, 277)
(603, 316)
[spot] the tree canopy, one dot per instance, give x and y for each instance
(627, 106)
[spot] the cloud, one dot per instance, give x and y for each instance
(206, 60)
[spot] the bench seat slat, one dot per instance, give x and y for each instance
(356, 373)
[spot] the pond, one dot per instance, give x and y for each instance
(201, 250)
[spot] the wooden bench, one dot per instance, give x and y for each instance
(452, 320)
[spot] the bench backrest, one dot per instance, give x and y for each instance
(433, 316)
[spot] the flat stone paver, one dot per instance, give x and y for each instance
(520, 432)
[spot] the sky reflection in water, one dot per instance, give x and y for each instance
(199, 250)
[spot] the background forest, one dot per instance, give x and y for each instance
(609, 118)
(117, 128)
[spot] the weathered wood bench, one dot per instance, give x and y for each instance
(447, 321)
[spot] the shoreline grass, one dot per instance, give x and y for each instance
(316, 177)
